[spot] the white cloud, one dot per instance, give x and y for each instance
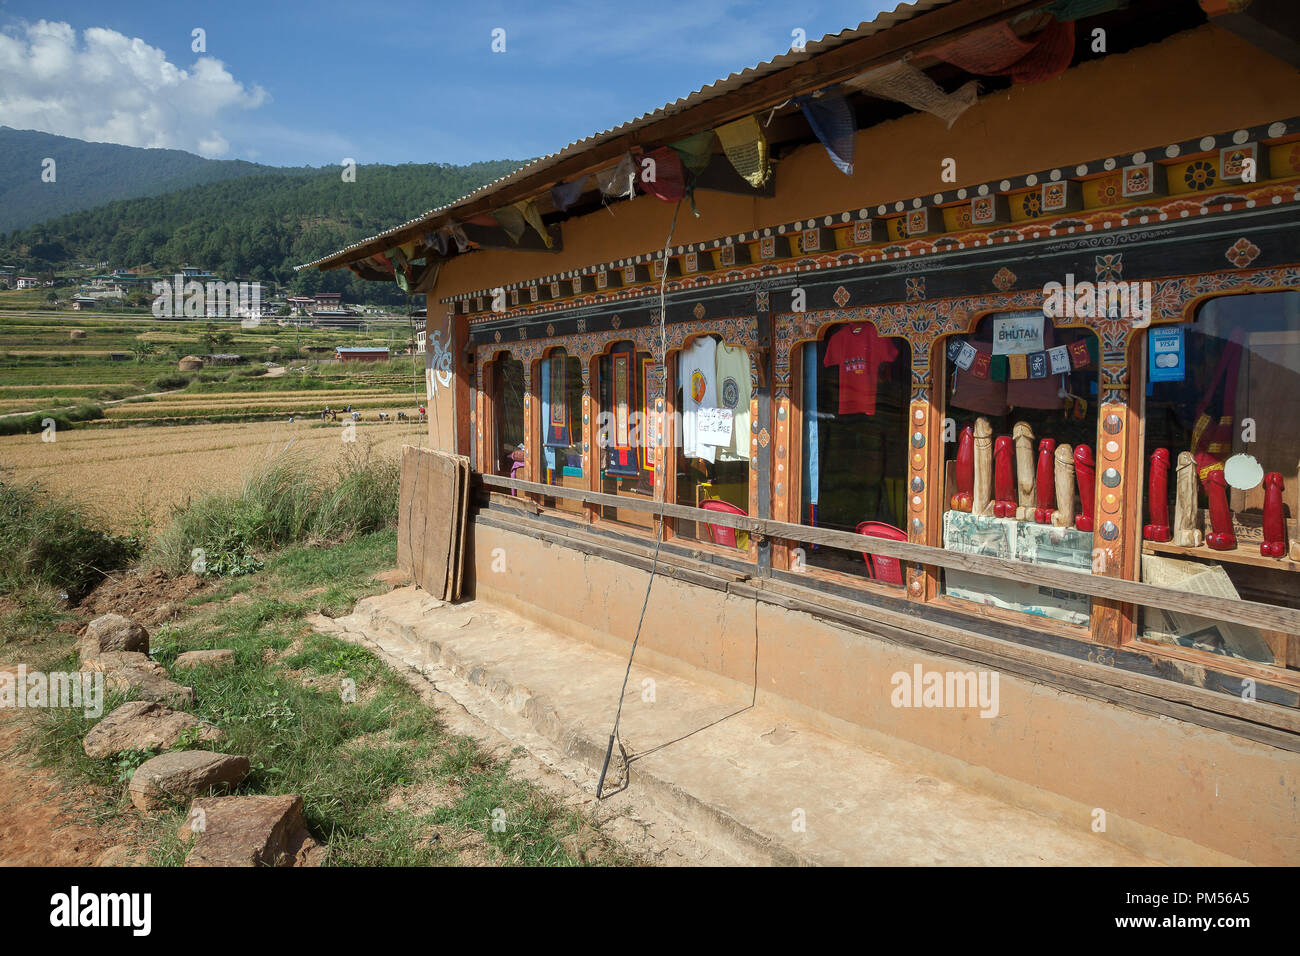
(117, 89)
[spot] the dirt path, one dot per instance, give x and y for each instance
(39, 825)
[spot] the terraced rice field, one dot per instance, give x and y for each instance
(127, 474)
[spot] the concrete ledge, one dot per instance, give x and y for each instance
(763, 786)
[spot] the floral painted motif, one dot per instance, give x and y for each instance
(1110, 268)
(915, 288)
(1004, 279)
(582, 325)
(841, 297)
(1242, 253)
(698, 311)
(762, 302)
(1032, 204)
(1200, 175)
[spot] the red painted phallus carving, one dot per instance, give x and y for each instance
(1004, 482)
(1210, 470)
(1085, 470)
(1046, 490)
(1158, 498)
(965, 471)
(1274, 545)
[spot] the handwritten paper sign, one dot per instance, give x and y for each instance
(713, 426)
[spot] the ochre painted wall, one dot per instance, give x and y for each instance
(1173, 790)
(1202, 81)
(1205, 80)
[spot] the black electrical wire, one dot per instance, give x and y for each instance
(659, 535)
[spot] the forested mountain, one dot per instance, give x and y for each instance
(91, 174)
(260, 225)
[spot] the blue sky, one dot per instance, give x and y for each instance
(292, 83)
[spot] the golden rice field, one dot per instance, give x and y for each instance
(125, 474)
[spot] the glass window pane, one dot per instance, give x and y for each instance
(1021, 399)
(856, 387)
(1222, 446)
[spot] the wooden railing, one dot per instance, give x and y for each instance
(1251, 613)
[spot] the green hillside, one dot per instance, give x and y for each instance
(259, 225)
(91, 174)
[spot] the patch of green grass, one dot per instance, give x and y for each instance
(48, 541)
(288, 503)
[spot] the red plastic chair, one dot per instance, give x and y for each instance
(719, 534)
(880, 567)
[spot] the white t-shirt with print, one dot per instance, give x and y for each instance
(734, 393)
(696, 375)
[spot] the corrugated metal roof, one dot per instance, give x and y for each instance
(900, 14)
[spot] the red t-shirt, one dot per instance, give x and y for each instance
(859, 352)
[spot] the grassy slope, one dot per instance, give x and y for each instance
(280, 705)
(382, 780)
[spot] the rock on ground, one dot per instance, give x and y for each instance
(395, 578)
(112, 632)
(110, 661)
(183, 773)
(129, 672)
(208, 658)
(249, 831)
(120, 856)
(143, 725)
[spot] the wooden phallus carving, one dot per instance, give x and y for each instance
(982, 495)
(1063, 475)
(1186, 534)
(1023, 436)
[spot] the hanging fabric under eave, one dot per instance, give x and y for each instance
(668, 181)
(528, 209)
(998, 51)
(695, 152)
(564, 195)
(832, 119)
(905, 84)
(512, 221)
(746, 148)
(1080, 9)
(457, 233)
(1051, 56)
(618, 182)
